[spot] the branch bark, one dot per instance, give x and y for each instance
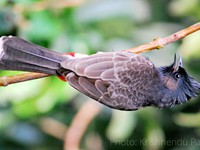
(6, 80)
(79, 125)
(161, 42)
(156, 44)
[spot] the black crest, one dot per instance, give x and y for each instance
(185, 87)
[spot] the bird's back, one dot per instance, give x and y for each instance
(120, 80)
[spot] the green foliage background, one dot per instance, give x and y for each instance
(91, 26)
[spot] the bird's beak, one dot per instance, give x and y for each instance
(178, 64)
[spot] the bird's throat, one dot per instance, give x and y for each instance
(170, 83)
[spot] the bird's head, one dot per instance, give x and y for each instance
(181, 86)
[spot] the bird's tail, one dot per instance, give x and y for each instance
(18, 54)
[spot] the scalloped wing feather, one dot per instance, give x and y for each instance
(116, 79)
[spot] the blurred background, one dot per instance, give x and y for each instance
(47, 113)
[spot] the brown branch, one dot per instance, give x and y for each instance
(80, 123)
(156, 44)
(53, 127)
(161, 42)
(6, 80)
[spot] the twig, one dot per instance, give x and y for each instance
(6, 80)
(53, 127)
(156, 44)
(80, 123)
(161, 42)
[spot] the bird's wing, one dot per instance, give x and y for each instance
(90, 66)
(136, 83)
(111, 78)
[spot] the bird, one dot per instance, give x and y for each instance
(120, 80)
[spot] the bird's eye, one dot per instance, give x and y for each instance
(177, 75)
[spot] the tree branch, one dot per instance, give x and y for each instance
(156, 44)
(161, 42)
(80, 123)
(6, 80)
